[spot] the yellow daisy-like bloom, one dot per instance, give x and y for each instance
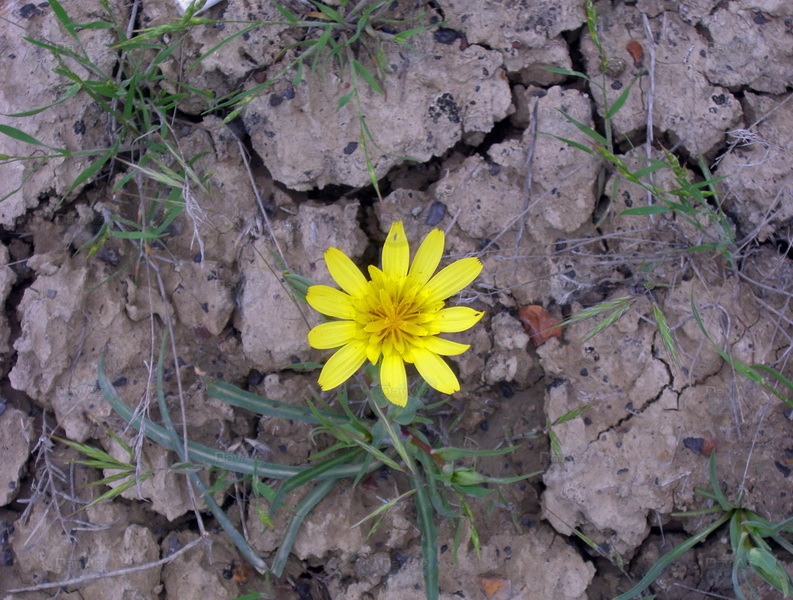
(394, 317)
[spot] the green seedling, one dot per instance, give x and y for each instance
(695, 203)
(99, 459)
(749, 540)
(439, 486)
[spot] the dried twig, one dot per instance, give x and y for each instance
(102, 574)
(648, 146)
(528, 169)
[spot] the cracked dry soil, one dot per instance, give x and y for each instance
(472, 104)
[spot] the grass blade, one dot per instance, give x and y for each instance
(655, 571)
(452, 454)
(622, 98)
(383, 508)
(329, 13)
(569, 142)
(305, 506)
(180, 447)
(309, 475)
(429, 537)
(235, 396)
(714, 483)
(285, 13)
(586, 130)
(567, 72)
(367, 76)
(666, 334)
(643, 211)
(63, 17)
(21, 136)
(206, 455)
(73, 89)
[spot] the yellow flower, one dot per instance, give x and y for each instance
(394, 317)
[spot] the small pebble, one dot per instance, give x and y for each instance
(435, 213)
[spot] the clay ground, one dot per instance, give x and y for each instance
(471, 103)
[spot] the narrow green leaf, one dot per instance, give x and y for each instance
(367, 76)
(180, 447)
(104, 464)
(113, 478)
(21, 136)
(597, 309)
(556, 446)
(768, 567)
(118, 490)
(375, 399)
(71, 91)
(344, 100)
(298, 78)
(285, 13)
(262, 490)
(567, 72)
(775, 374)
(475, 491)
(87, 173)
(607, 322)
(88, 450)
(402, 36)
(235, 396)
(309, 474)
(572, 143)
(620, 101)
(655, 571)
(198, 453)
(219, 45)
(298, 284)
(586, 130)
(572, 414)
(429, 537)
(666, 334)
(63, 17)
(641, 211)
(384, 507)
(95, 25)
(515, 479)
(655, 165)
(714, 484)
(451, 454)
(329, 12)
(304, 507)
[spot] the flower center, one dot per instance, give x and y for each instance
(393, 316)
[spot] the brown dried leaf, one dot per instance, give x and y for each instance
(539, 324)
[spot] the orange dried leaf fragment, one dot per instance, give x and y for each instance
(708, 446)
(636, 51)
(539, 324)
(495, 588)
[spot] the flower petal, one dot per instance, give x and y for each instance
(345, 273)
(444, 347)
(332, 334)
(330, 301)
(373, 352)
(435, 371)
(396, 252)
(453, 278)
(456, 318)
(427, 257)
(342, 365)
(393, 379)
